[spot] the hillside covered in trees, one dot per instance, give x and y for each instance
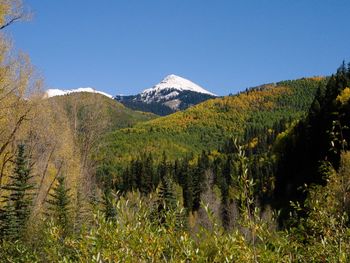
(260, 176)
(208, 125)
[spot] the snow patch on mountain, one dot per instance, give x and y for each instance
(58, 92)
(173, 104)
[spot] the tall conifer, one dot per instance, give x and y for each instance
(59, 205)
(18, 201)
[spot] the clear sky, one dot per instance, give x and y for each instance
(125, 46)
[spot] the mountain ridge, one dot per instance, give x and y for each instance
(58, 92)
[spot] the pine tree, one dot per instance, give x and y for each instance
(187, 184)
(166, 193)
(166, 200)
(59, 205)
(18, 202)
(166, 196)
(198, 180)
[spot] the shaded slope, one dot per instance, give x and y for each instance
(181, 101)
(306, 150)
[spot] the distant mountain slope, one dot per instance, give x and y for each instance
(172, 94)
(110, 113)
(209, 124)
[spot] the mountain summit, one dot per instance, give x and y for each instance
(173, 93)
(174, 83)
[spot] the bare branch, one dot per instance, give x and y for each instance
(7, 157)
(12, 20)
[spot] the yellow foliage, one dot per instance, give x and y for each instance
(54, 149)
(219, 110)
(27, 118)
(4, 10)
(192, 219)
(316, 78)
(344, 96)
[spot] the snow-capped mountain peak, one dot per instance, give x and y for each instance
(58, 92)
(172, 94)
(177, 83)
(170, 87)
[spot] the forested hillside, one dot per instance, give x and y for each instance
(110, 114)
(208, 125)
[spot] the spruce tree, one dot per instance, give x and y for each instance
(59, 205)
(16, 211)
(166, 200)
(166, 196)
(198, 180)
(166, 193)
(187, 186)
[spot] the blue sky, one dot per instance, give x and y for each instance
(125, 46)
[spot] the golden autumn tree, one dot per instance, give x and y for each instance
(17, 83)
(28, 118)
